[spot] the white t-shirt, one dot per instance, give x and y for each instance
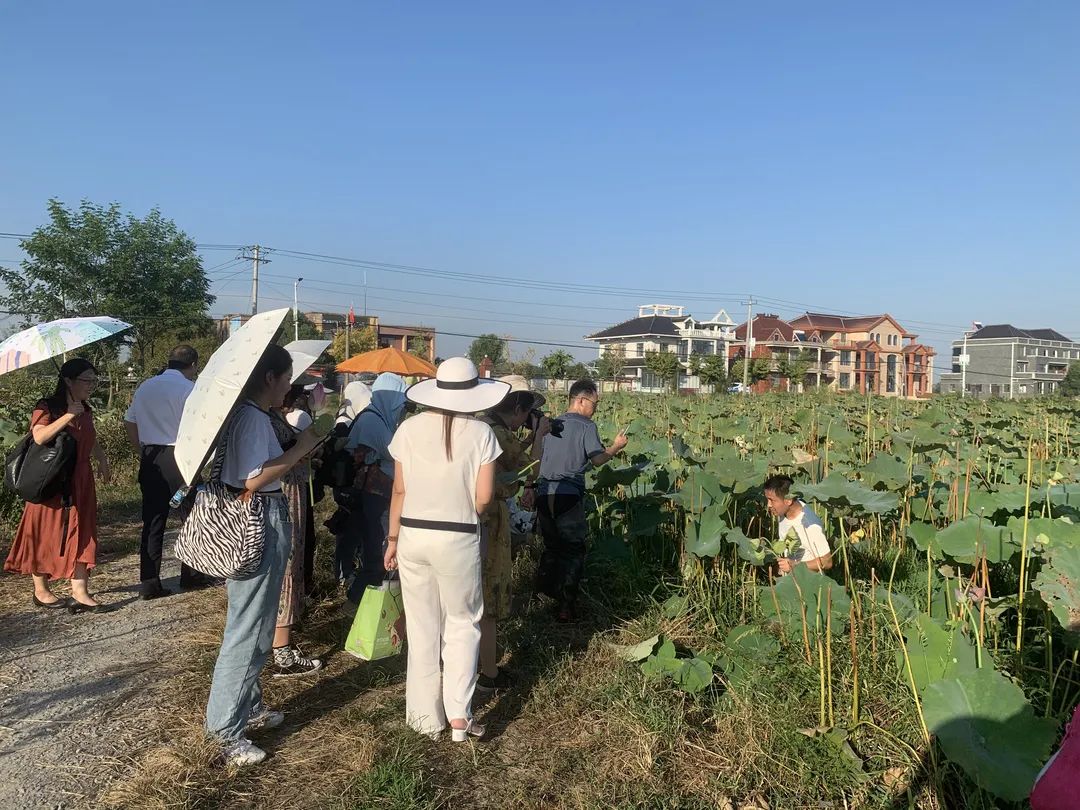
(158, 405)
(299, 420)
(251, 443)
(811, 534)
(437, 488)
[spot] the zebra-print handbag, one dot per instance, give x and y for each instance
(224, 534)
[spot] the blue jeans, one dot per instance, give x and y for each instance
(249, 631)
(375, 522)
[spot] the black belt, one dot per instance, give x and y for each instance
(439, 525)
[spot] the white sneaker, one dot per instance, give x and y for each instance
(263, 719)
(243, 753)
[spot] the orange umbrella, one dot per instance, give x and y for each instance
(388, 359)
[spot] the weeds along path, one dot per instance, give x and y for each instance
(77, 693)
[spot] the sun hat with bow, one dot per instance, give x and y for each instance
(457, 388)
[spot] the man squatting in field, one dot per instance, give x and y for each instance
(813, 550)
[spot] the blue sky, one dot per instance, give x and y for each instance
(918, 158)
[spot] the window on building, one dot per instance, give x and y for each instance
(1022, 366)
(890, 374)
(843, 337)
(703, 347)
(845, 358)
(845, 380)
(640, 350)
(871, 359)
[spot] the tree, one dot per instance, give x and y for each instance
(793, 369)
(664, 365)
(99, 261)
(557, 364)
(759, 369)
(362, 340)
(714, 372)
(525, 365)
(203, 337)
(1070, 386)
(307, 331)
(418, 347)
(489, 345)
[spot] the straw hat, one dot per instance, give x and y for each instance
(519, 383)
(457, 387)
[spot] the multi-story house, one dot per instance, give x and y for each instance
(664, 328)
(1005, 361)
(867, 354)
(772, 339)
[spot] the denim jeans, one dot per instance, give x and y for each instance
(249, 631)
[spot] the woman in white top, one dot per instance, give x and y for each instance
(254, 463)
(444, 481)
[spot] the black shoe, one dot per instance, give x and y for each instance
(57, 605)
(197, 582)
(75, 606)
(499, 683)
(153, 589)
(289, 662)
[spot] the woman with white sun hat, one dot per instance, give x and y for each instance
(444, 481)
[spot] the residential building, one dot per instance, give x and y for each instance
(330, 323)
(227, 324)
(773, 339)
(867, 354)
(1004, 361)
(402, 337)
(664, 328)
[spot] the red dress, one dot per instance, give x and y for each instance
(36, 547)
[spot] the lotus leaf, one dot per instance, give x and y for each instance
(1049, 532)
(705, 536)
(984, 723)
(815, 589)
(836, 490)
(700, 489)
(922, 534)
(1065, 495)
(750, 549)
(608, 477)
(636, 652)
(923, 439)
(1059, 584)
(752, 643)
(966, 540)
(905, 608)
(887, 470)
(936, 653)
(1006, 499)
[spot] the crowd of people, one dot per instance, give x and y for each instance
(427, 480)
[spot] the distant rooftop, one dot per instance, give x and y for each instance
(1007, 330)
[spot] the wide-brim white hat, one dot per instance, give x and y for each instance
(457, 387)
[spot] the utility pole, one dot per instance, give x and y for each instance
(256, 260)
(365, 297)
(296, 308)
(747, 345)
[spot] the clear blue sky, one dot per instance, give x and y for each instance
(919, 158)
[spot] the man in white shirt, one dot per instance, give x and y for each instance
(152, 423)
(813, 550)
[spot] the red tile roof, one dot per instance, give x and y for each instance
(764, 327)
(837, 323)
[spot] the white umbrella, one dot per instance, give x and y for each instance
(218, 388)
(305, 353)
(48, 340)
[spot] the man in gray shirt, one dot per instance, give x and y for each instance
(570, 448)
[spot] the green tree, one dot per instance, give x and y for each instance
(1070, 386)
(714, 372)
(664, 365)
(361, 340)
(557, 364)
(759, 369)
(418, 347)
(203, 336)
(489, 345)
(307, 331)
(793, 369)
(98, 261)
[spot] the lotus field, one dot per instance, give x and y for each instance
(933, 666)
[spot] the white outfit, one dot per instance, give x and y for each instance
(810, 532)
(440, 568)
(157, 407)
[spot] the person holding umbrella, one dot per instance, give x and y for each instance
(255, 464)
(58, 539)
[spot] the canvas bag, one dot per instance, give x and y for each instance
(378, 629)
(224, 533)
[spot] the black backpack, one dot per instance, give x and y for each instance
(338, 469)
(37, 473)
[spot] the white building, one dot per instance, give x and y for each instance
(664, 328)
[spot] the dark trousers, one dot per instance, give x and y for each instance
(309, 551)
(374, 526)
(564, 529)
(159, 479)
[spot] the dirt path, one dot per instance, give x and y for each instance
(78, 691)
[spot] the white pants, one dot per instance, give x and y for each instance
(444, 602)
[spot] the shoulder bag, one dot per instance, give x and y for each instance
(224, 534)
(37, 473)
